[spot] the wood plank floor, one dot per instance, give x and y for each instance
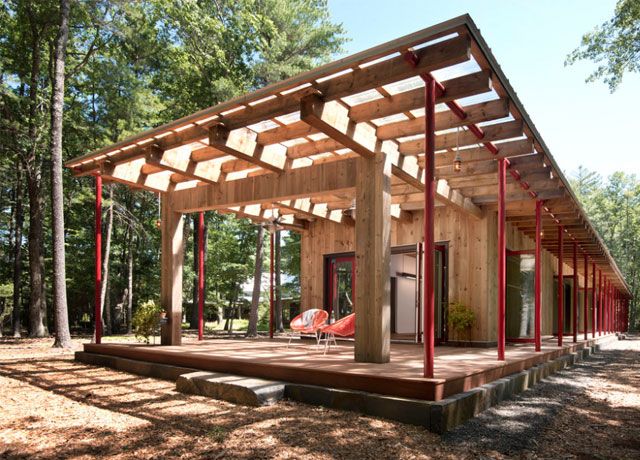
(457, 369)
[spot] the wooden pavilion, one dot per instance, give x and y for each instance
(411, 165)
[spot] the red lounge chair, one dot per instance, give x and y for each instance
(308, 322)
(344, 327)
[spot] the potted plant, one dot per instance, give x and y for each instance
(460, 319)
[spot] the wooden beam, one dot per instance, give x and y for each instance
(433, 57)
(326, 178)
(471, 155)
(500, 131)
(316, 210)
(332, 118)
(241, 143)
(373, 255)
(171, 259)
(457, 88)
(484, 111)
(179, 160)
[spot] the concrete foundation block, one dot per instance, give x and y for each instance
(237, 389)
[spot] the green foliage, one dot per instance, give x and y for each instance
(6, 302)
(145, 319)
(613, 206)
(133, 66)
(460, 317)
(614, 46)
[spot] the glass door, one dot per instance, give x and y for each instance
(520, 296)
(342, 276)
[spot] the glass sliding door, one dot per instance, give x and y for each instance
(342, 277)
(520, 296)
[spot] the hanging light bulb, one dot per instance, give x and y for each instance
(457, 161)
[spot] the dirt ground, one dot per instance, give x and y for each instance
(52, 407)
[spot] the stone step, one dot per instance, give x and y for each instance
(237, 389)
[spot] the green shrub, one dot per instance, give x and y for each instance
(461, 317)
(145, 319)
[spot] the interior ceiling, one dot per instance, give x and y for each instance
(374, 97)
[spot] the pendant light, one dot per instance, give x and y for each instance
(457, 161)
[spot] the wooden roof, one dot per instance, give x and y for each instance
(260, 155)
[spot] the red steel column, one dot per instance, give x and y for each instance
(560, 284)
(538, 276)
(575, 293)
(429, 221)
(593, 300)
(201, 276)
(98, 256)
(502, 255)
(271, 271)
(586, 296)
(600, 300)
(605, 305)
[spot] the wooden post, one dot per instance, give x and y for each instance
(538, 276)
(428, 318)
(593, 300)
(201, 275)
(574, 302)
(502, 256)
(98, 260)
(373, 256)
(171, 256)
(560, 284)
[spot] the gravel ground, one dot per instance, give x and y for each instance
(52, 407)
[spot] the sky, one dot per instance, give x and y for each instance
(581, 123)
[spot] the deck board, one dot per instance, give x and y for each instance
(457, 369)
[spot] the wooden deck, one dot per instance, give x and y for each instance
(457, 369)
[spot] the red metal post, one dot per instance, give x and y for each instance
(98, 257)
(586, 297)
(574, 300)
(201, 276)
(600, 299)
(560, 284)
(429, 221)
(538, 277)
(271, 287)
(593, 300)
(502, 255)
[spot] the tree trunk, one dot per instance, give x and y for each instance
(105, 267)
(17, 254)
(63, 337)
(33, 167)
(252, 329)
(278, 284)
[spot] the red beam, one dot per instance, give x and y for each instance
(586, 296)
(201, 275)
(593, 300)
(600, 300)
(502, 255)
(538, 276)
(575, 293)
(429, 222)
(98, 257)
(271, 271)
(560, 285)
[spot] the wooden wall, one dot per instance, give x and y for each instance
(465, 236)
(472, 262)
